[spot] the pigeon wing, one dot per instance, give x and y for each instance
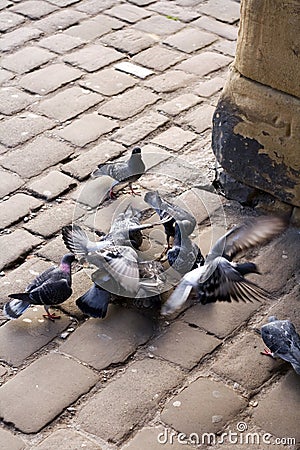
(51, 292)
(40, 279)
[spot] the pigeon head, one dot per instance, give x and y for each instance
(248, 267)
(68, 259)
(136, 150)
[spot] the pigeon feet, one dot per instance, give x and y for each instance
(51, 317)
(267, 352)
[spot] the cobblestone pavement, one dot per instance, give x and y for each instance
(82, 83)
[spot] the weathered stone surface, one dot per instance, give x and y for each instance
(82, 166)
(9, 183)
(101, 343)
(60, 43)
(209, 87)
(133, 69)
(214, 26)
(81, 282)
(94, 7)
(190, 39)
(203, 407)
(285, 392)
(108, 82)
(226, 12)
(69, 103)
(126, 400)
(91, 29)
(183, 345)
(179, 104)
(129, 13)
(204, 63)
(128, 104)
(68, 440)
(87, 129)
(53, 250)
(51, 220)
(93, 57)
(15, 245)
(34, 9)
(10, 441)
(48, 386)
(171, 10)
(18, 37)
(5, 75)
(225, 47)
(129, 40)
(200, 119)
(20, 338)
(59, 20)
(159, 24)
(17, 207)
(154, 438)
(49, 78)
(19, 129)
(170, 81)
(158, 58)
(30, 160)
(52, 185)
(13, 100)
(174, 138)
(26, 59)
(253, 145)
(259, 35)
(9, 20)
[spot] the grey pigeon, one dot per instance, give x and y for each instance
(166, 209)
(94, 302)
(220, 279)
(52, 287)
(184, 255)
(123, 172)
(282, 340)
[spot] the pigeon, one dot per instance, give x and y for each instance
(52, 287)
(220, 279)
(184, 255)
(123, 172)
(166, 210)
(94, 302)
(118, 263)
(282, 340)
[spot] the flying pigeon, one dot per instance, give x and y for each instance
(166, 210)
(51, 287)
(184, 255)
(94, 302)
(220, 279)
(282, 341)
(123, 172)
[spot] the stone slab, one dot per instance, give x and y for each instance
(45, 389)
(67, 439)
(17, 207)
(34, 9)
(174, 11)
(93, 28)
(174, 138)
(179, 104)
(15, 245)
(9, 20)
(59, 20)
(26, 59)
(204, 63)
(209, 87)
(128, 13)
(199, 119)
(108, 82)
(81, 282)
(129, 40)
(60, 43)
(9, 182)
(19, 129)
(53, 250)
(154, 438)
(126, 401)
(190, 40)
(13, 100)
(226, 12)
(93, 57)
(215, 26)
(161, 25)
(52, 185)
(10, 441)
(158, 58)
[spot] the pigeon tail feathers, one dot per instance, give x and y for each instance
(178, 298)
(15, 308)
(94, 302)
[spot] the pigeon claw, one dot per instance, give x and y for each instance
(267, 352)
(51, 317)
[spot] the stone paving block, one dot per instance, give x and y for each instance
(128, 104)
(17, 207)
(160, 25)
(94, 6)
(81, 282)
(101, 343)
(52, 185)
(183, 345)
(94, 192)
(4, 4)
(19, 129)
(29, 160)
(34, 9)
(15, 245)
(243, 363)
(9, 183)
(219, 318)
(26, 59)
(93, 57)
(13, 100)
(158, 58)
(285, 392)
(49, 79)
(5, 75)
(214, 26)
(154, 438)
(87, 129)
(60, 43)
(129, 40)
(9, 20)
(203, 407)
(23, 337)
(209, 236)
(204, 63)
(226, 12)
(82, 166)
(142, 2)
(168, 9)
(201, 204)
(209, 87)
(115, 410)
(59, 20)
(140, 128)
(53, 250)
(10, 441)
(69, 103)
(286, 308)
(63, 3)
(128, 13)
(226, 47)
(67, 439)
(96, 27)
(200, 119)
(133, 69)
(179, 104)
(153, 155)
(45, 389)
(174, 138)
(176, 173)
(18, 279)
(18, 37)
(51, 221)
(170, 81)
(108, 82)
(190, 39)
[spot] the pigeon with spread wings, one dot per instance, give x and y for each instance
(220, 279)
